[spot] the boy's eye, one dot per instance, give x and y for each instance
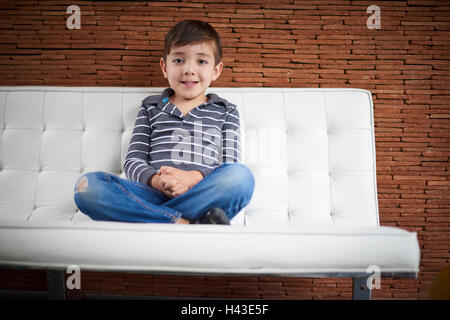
(202, 61)
(177, 60)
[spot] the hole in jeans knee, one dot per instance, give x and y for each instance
(82, 184)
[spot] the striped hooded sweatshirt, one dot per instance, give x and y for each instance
(206, 137)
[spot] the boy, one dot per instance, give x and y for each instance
(176, 172)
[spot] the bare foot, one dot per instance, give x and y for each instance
(182, 221)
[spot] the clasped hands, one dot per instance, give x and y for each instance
(174, 182)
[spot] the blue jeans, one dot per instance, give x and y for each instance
(104, 196)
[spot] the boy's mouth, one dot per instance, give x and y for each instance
(189, 83)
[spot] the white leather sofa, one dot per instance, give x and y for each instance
(314, 211)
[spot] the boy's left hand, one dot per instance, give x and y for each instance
(176, 182)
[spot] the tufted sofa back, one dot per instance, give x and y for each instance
(312, 151)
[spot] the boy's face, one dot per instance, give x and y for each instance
(190, 69)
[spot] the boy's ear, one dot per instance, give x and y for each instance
(217, 70)
(163, 65)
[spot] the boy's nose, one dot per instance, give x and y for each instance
(189, 68)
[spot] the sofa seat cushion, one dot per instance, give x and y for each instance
(206, 249)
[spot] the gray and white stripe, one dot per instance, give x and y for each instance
(206, 137)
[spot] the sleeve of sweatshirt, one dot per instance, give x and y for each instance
(231, 137)
(136, 166)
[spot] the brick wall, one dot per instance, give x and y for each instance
(282, 43)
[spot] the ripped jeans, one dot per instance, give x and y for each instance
(104, 196)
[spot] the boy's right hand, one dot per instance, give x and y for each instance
(168, 184)
(173, 186)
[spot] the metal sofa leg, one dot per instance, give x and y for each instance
(360, 289)
(55, 285)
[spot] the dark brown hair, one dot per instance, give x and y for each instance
(192, 32)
